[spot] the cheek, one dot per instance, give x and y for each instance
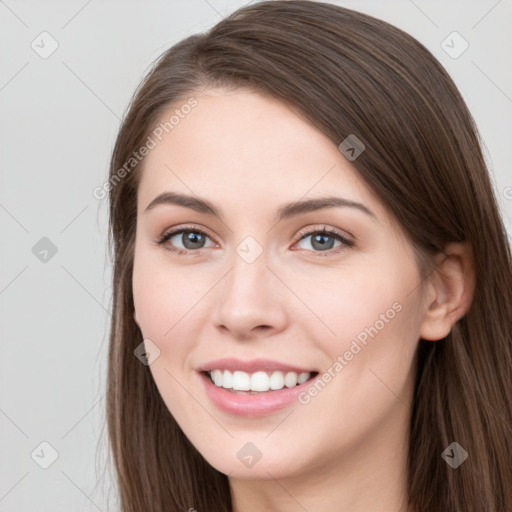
(149, 300)
(373, 323)
(162, 295)
(375, 317)
(170, 306)
(349, 299)
(163, 303)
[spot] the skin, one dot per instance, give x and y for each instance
(346, 448)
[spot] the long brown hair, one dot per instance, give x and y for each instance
(347, 73)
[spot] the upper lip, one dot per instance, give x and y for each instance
(251, 366)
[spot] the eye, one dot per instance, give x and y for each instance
(191, 238)
(194, 239)
(323, 240)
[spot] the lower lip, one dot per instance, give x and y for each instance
(261, 404)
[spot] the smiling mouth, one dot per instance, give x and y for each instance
(240, 382)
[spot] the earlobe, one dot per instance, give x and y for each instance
(450, 292)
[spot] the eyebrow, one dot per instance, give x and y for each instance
(285, 211)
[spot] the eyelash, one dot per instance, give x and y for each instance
(325, 231)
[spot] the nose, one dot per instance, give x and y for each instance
(251, 300)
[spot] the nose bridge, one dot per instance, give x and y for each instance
(248, 297)
(249, 274)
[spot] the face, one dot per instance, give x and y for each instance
(331, 292)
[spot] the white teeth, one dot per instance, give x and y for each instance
(258, 381)
(216, 376)
(277, 380)
(241, 380)
(226, 379)
(303, 377)
(290, 379)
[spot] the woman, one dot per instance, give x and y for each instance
(312, 281)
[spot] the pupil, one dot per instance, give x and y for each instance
(321, 240)
(193, 238)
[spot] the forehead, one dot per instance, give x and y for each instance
(247, 149)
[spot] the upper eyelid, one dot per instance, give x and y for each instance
(180, 229)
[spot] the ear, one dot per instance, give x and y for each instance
(449, 293)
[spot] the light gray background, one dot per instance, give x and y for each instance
(59, 118)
